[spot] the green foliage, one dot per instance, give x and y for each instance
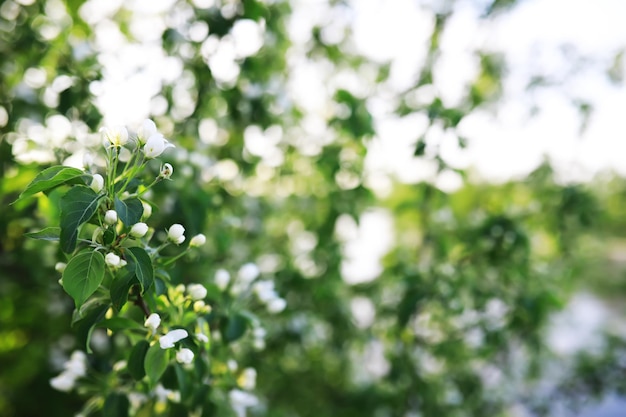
(83, 275)
(77, 207)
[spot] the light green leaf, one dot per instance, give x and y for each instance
(129, 211)
(77, 207)
(83, 275)
(142, 264)
(156, 362)
(48, 179)
(49, 233)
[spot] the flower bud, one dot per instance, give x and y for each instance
(97, 183)
(112, 260)
(176, 233)
(153, 322)
(200, 307)
(166, 171)
(110, 217)
(147, 210)
(276, 305)
(198, 240)
(139, 230)
(196, 291)
(184, 355)
(202, 337)
(60, 266)
(222, 278)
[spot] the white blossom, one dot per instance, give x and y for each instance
(63, 382)
(147, 129)
(276, 305)
(155, 145)
(147, 210)
(166, 171)
(77, 365)
(172, 337)
(240, 400)
(184, 355)
(202, 337)
(248, 272)
(117, 136)
(139, 230)
(97, 183)
(198, 240)
(222, 278)
(247, 379)
(113, 260)
(196, 291)
(176, 233)
(110, 217)
(153, 322)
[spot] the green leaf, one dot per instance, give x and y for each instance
(235, 328)
(48, 179)
(117, 324)
(129, 211)
(83, 275)
(77, 207)
(119, 289)
(156, 362)
(141, 262)
(108, 236)
(49, 233)
(136, 360)
(116, 405)
(84, 327)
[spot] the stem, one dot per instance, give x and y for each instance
(141, 303)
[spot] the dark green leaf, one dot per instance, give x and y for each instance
(156, 362)
(129, 211)
(83, 275)
(119, 289)
(49, 233)
(141, 262)
(136, 360)
(84, 327)
(116, 405)
(235, 328)
(108, 236)
(50, 178)
(117, 324)
(77, 207)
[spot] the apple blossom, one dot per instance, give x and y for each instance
(117, 136)
(176, 233)
(198, 240)
(138, 230)
(147, 129)
(153, 322)
(172, 337)
(196, 291)
(155, 145)
(184, 355)
(110, 217)
(97, 183)
(112, 260)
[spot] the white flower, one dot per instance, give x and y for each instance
(147, 129)
(147, 210)
(196, 291)
(155, 145)
(60, 266)
(63, 382)
(139, 230)
(248, 273)
(97, 183)
(198, 240)
(153, 322)
(240, 400)
(176, 233)
(222, 278)
(184, 355)
(87, 160)
(247, 379)
(113, 260)
(202, 337)
(117, 136)
(276, 305)
(172, 337)
(110, 217)
(166, 171)
(164, 394)
(265, 291)
(77, 365)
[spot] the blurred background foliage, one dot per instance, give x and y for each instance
(455, 318)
